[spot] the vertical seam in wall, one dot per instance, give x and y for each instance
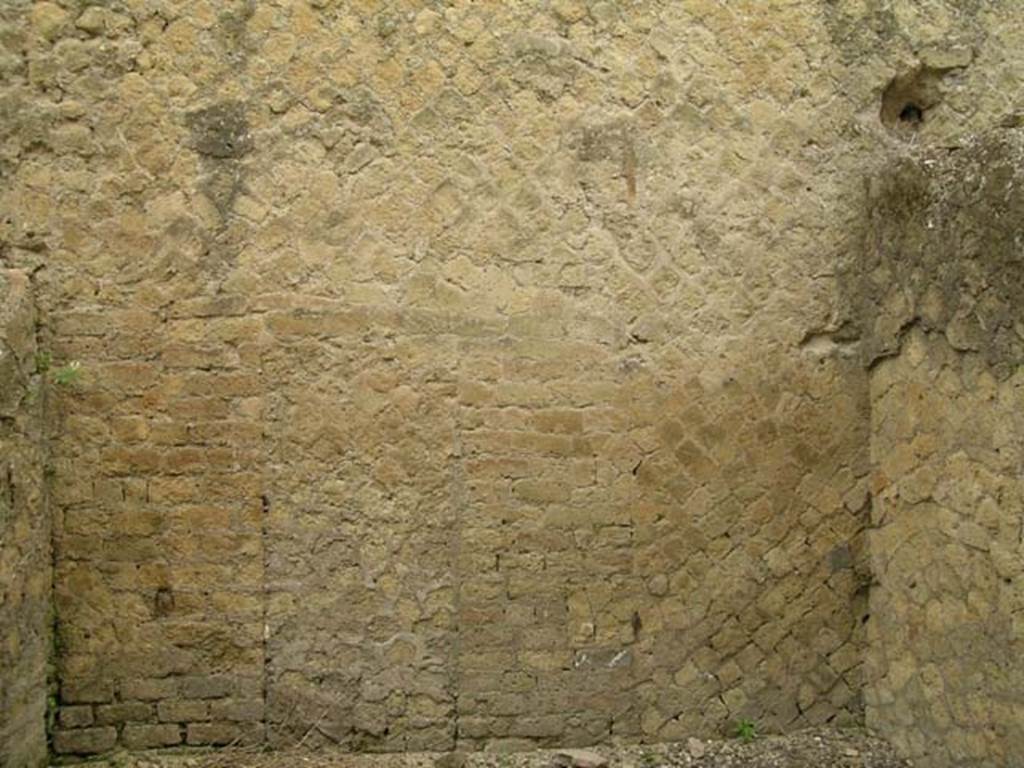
(634, 574)
(264, 548)
(50, 515)
(866, 570)
(458, 499)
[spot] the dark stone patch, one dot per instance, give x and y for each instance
(942, 253)
(164, 602)
(232, 32)
(223, 185)
(603, 142)
(840, 558)
(221, 131)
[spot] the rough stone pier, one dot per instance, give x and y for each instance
(406, 376)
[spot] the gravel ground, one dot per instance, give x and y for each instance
(807, 749)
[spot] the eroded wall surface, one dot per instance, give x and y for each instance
(506, 540)
(25, 561)
(944, 670)
(462, 373)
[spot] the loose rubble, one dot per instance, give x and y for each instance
(818, 748)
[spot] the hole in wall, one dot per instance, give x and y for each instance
(912, 114)
(909, 97)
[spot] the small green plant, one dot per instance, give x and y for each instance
(51, 713)
(746, 731)
(68, 375)
(43, 361)
(64, 377)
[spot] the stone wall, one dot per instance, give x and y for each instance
(462, 374)
(25, 560)
(516, 539)
(946, 275)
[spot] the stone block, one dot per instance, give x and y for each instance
(183, 710)
(220, 733)
(151, 736)
(123, 712)
(86, 691)
(84, 741)
(239, 710)
(78, 716)
(207, 687)
(149, 689)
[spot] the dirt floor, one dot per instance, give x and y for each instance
(808, 749)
